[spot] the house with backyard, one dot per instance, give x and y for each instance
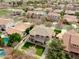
(39, 36)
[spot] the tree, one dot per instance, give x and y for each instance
(25, 9)
(62, 13)
(77, 14)
(57, 31)
(19, 3)
(1, 1)
(15, 37)
(13, 4)
(56, 50)
(28, 30)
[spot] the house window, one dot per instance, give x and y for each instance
(2, 29)
(31, 36)
(76, 45)
(37, 36)
(47, 36)
(32, 40)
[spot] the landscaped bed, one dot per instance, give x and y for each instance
(39, 49)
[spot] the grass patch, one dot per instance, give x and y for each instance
(27, 45)
(39, 49)
(3, 12)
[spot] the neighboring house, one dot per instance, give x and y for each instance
(41, 34)
(36, 14)
(5, 24)
(71, 19)
(38, 9)
(48, 9)
(70, 7)
(71, 43)
(53, 16)
(19, 28)
(4, 5)
(70, 12)
(57, 10)
(61, 6)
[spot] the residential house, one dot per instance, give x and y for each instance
(70, 7)
(4, 5)
(57, 10)
(71, 43)
(41, 34)
(53, 16)
(19, 28)
(5, 24)
(36, 14)
(48, 9)
(71, 19)
(70, 12)
(61, 6)
(38, 9)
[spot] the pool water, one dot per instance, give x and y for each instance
(2, 53)
(6, 39)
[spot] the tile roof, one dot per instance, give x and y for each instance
(42, 30)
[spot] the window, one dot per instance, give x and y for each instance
(31, 36)
(76, 45)
(47, 36)
(37, 36)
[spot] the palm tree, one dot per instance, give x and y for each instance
(62, 13)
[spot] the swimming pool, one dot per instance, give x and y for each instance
(2, 53)
(6, 39)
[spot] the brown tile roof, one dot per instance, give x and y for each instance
(19, 28)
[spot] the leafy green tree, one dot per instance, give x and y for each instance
(19, 3)
(77, 14)
(1, 0)
(57, 31)
(62, 13)
(25, 9)
(15, 37)
(29, 29)
(56, 50)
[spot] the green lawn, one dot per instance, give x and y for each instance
(27, 45)
(3, 12)
(39, 49)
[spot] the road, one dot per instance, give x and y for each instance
(22, 42)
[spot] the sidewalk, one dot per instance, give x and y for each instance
(43, 55)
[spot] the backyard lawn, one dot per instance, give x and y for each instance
(27, 45)
(39, 49)
(3, 12)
